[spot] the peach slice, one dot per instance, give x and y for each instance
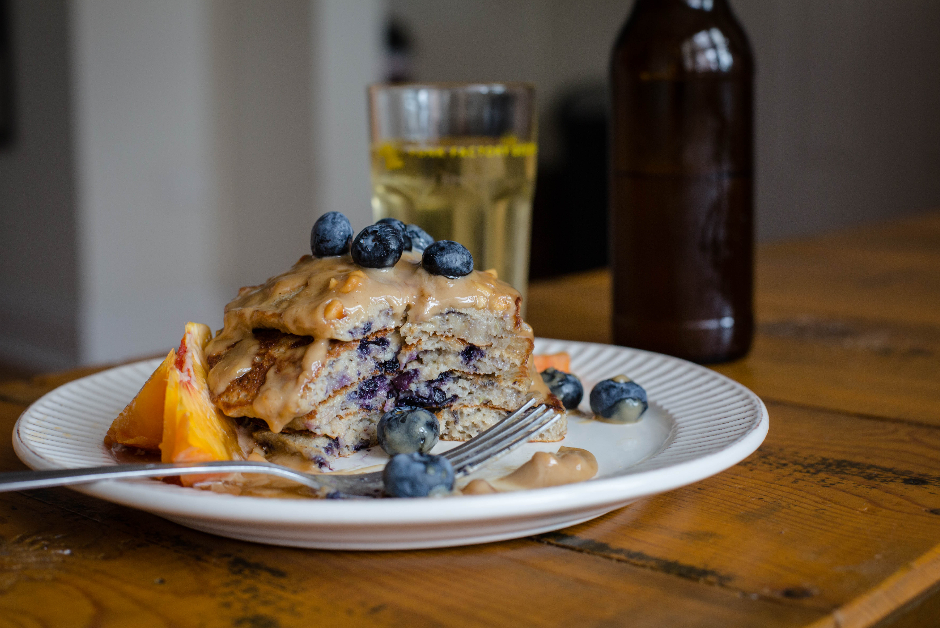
(140, 424)
(194, 430)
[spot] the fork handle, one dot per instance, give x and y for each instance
(26, 480)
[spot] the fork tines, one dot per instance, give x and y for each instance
(484, 438)
(502, 438)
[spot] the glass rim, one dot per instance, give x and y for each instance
(453, 86)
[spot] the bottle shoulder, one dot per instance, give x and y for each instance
(677, 45)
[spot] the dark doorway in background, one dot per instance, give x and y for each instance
(6, 74)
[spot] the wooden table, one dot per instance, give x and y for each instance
(835, 521)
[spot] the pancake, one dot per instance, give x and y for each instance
(311, 359)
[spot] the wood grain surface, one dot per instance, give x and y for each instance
(834, 521)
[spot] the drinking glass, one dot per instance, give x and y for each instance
(458, 160)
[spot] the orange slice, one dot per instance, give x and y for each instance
(140, 424)
(560, 361)
(194, 430)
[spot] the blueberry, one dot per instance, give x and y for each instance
(400, 226)
(405, 430)
(447, 258)
(619, 400)
(471, 354)
(420, 239)
(404, 379)
(331, 235)
(565, 386)
(377, 246)
(394, 222)
(418, 475)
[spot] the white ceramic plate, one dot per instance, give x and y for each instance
(698, 424)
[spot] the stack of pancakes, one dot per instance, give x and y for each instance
(312, 358)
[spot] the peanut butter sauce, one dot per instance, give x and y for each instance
(233, 365)
(544, 469)
(305, 300)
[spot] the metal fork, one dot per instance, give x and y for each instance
(497, 441)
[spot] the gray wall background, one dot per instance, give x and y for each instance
(236, 123)
(39, 290)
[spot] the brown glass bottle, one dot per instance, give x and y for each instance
(682, 181)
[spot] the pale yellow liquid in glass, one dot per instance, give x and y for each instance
(474, 193)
